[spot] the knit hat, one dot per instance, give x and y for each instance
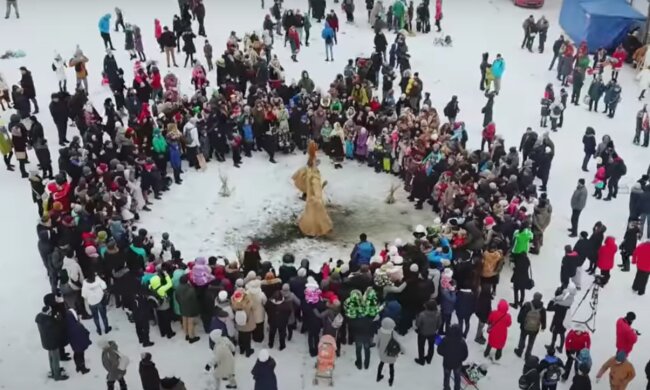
(302, 272)
(397, 260)
(311, 283)
(398, 242)
(102, 236)
(414, 268)
(263, 356)
(91, 251)
(537, 296)
(375, 259)
(488, 221)
(630, 316)
(419, 229)
(222, 296)
(215, 335)
(285, 287)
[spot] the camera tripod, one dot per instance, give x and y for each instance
(590, 322)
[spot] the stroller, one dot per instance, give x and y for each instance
(325, 359)
(470, 375)
(443, 41)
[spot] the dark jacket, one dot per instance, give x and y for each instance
(428, 322)
(188, 303)
(78, 335)
(27, 84)
(264, 375)
(149, 375)
(569, 267)
(362, 328)
(278, 312)
(538, 305)
(453, 348)
(582, 248)
(589, 142)
(51, 330)
(167, 39)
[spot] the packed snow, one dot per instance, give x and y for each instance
(201, 222)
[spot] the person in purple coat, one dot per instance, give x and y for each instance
(79, 338)
(361, 150)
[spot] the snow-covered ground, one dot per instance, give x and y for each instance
(202, 223)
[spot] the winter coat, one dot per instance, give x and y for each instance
(527, 307)
(465, 302)
(93, 292)
(641, 257)
(453, 348)
(606, 254)
(188, 303)
(52, 330)
(579, 198)
(620, 373)
(498, 67)
(498, 323)
(264, 375)
(577, 341)
(258, 299)
(521, 241)
(114, 362)
(137, 39)
(362, 252)
(27, 84)
(279, 312)
(246, 305)
(626, 337)
(223, 359)
(570, 263)
(188, 43)
(428, 322)
(105, 24)
(149, 375)
(201, 273)
(385, 333)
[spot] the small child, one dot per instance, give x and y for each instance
(581, 380)
(529, 378)
(235, 146)
(166, 243)
(545, 111)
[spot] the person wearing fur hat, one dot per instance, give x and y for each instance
(264, 372)
(621, 371)
(115, 363)
(148, 373)
(223, 359)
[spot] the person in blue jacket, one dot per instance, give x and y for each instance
(175, 158)
(498, 67)
(105, 31)
(362, 251)
(436, 256)
(328, 37)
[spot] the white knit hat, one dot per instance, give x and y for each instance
(263, 355)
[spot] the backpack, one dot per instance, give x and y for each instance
(187, 136)
(337, 321)
(524, 383)
(552, 374)
(392, 348)
(533, 320)
(241, 317)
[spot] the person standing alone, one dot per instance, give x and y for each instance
(578, 203)
(105, 31)
(12, 3)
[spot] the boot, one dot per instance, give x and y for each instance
(419, 361)
(480, 339)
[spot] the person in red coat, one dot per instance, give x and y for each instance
(438, 16)
(60, 191)
(498, 323)
(626, 336)
(641, 257)
(488, 135)
(620, 55)
(577, 339)
(294, 42)
(606, 255)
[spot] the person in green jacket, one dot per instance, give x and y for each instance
(521, 240)
(185, 295)
(398, 14)
(160, 284)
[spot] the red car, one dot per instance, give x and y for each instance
(529, 3)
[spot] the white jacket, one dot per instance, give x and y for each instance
(194, 132)
(75, 275)
(93, 292)
(644, 78)
(59, 68)
(3, 83)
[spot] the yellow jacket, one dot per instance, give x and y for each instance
(161, 289)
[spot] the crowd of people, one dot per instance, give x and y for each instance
(490, 212)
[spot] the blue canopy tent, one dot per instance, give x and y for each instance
(601, 23)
